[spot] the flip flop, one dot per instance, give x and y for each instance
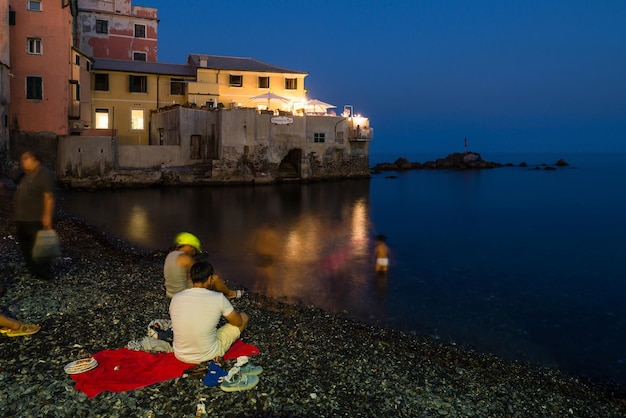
(239, 294)
(25, 329)
(4, 330)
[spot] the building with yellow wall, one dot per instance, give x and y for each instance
(230, 82)
(125, 92)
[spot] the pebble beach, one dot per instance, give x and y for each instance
(316, 364)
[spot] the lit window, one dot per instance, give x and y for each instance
(136, 119)
(291, 84)
(101, 82)
(138, 84)
(177, 87)
(140, 56)
(34, 88)
(102, 26)
(236, 80)
(264, 82)
(34, 46)
(140, 31)
(319, 137)
(34, 5)
(102, 118)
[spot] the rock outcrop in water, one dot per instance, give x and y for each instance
(454, 161)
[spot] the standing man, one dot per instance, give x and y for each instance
(34, 209)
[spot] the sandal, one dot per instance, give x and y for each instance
(239, 294)
(25, 329)
(237, 381)
(4, 330)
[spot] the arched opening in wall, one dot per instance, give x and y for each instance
(290, 167)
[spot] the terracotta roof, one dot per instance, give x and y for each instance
(143, 67)
(217, 62)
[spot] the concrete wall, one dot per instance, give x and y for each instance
(81, 157)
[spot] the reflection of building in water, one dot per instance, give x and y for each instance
(138, 224)
(325, 256)
(226, 218)
(266, 244)
(359, 238)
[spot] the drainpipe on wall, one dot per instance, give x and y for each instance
(336, 128)
(74, 12)
(157, 108)
(114, 144)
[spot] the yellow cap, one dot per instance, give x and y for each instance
(185, 238)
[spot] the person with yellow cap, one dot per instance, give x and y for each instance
(178, 263)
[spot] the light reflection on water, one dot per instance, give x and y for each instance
(321, 253)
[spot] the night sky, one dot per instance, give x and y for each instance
(511, 76)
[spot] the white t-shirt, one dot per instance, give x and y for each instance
(195, 314)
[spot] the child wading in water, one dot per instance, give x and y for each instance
(381, 254)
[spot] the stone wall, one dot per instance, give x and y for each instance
(234, 146)
(337, 164)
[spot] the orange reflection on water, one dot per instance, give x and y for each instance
(359, 229)
(138, 225)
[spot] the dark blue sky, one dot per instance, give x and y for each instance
(528, 76)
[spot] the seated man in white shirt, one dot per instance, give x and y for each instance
(195, 314)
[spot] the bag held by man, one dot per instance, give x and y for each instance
(46, 244)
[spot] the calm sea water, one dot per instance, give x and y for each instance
(527, 264)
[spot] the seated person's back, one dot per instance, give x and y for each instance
(195, 314)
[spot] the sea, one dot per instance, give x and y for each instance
(525, 261)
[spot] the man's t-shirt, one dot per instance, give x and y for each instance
(29, 195)
(195, 314)
(175, 275)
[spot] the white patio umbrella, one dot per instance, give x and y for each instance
(269, 96)
(313, 104)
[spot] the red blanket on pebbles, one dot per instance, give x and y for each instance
(123, 369)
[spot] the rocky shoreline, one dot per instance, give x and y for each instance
(316, 364)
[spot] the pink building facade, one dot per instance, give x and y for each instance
(49, 82)
(5, 77)
(116, 29)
